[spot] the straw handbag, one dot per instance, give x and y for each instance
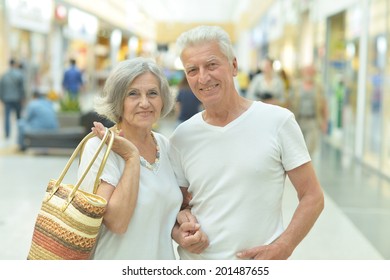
(69, 219)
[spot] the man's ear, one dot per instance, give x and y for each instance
(235, 67)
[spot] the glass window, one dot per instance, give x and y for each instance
(376, 63)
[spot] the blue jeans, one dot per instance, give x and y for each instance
(9, 107)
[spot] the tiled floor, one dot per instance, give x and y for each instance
(355, 224)
(360, 193)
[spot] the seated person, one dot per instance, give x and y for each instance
(39, 116)
(91, 116)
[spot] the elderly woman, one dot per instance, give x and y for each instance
(138, 181)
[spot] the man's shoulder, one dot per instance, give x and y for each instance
(271, 111)
(187, 127)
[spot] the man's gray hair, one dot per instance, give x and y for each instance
(110, 103)
(203, 34)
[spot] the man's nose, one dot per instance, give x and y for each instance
(204, 76)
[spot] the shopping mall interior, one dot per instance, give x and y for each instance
(345, 41)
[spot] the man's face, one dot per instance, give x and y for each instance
(209, 73)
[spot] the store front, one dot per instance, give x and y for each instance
(27, 28)
(377, 122)
(3, 37)
(342, 77)
(336, 54)
(356, 76)
(80, 35)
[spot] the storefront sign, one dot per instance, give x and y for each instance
(33, 15)
(81, 26)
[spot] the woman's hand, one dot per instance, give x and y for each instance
(187, 233)
(123, 147)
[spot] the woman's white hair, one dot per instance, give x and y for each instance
(110, 102)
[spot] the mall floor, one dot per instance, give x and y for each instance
(355, 224)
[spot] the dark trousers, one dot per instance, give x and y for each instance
(9, 107)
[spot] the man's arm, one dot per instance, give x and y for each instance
(311, 204)
(186, 199)
(187, 232)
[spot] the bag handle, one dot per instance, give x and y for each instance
(73, 156)
(102, 164)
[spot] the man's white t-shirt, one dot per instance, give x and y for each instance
(236, 175)
(148, 236)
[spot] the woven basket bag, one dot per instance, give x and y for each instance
(69, 220)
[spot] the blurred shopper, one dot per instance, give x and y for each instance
(231, 161)
(243, 81)
(267, 86)
(310, 108)
(23, 70)
(287, 87)
(88, 118)
(187, 104)
(286, 80)
(12, 94)
(72, 80)
(138, 181)
(39, 116)
(252, 74)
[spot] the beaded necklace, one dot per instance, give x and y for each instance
(154, 166)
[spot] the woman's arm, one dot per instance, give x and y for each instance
(121, 199)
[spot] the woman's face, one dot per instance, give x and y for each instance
(143, 102)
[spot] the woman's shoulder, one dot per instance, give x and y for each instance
(92, 143)
(160, 138)
(91, 146)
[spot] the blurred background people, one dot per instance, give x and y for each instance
(12, 94)
(267, 86)
(72, 80)
(310, 107)
(287, 87)
(243, 81)
(39, 116)
(187, 104)
(88, 118)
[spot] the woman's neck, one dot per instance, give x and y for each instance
(135, 135)
(145, 142)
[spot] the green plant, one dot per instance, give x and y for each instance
(68, 104)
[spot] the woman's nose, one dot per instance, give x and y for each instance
(144, 101)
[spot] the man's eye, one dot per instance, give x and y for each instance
(191, 71)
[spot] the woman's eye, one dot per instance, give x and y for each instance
(131, 93)
(153, 93)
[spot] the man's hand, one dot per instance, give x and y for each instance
(274, 251)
